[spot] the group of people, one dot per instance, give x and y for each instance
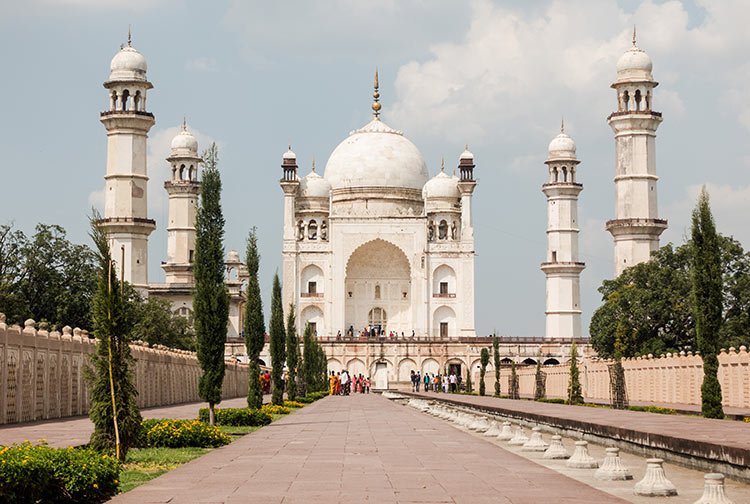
(342, 384)
(435, 382)
(372, 332)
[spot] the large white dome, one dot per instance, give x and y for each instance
(376, 156)
(128, 64)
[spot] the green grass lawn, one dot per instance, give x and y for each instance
(144, 464)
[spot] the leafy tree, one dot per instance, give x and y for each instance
(276, 333)
(574, 382)
(496, 362)
(707, 302)
(156, 324)
(650, 305)
(255, 327)
(210, 298)
(114, 411)
(484, 359)
(46, 278)
(292, 354)
(513, 385)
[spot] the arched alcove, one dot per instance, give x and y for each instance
(405, 367)
(313, 315)
(312, 281)
(444, 322)
(380, 264)
(444, 281)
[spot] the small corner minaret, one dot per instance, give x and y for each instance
(636, 227)
(183, 189)
(466, 185)
(562, 267)
(290, 185)
(125, 198)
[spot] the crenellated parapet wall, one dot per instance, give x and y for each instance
(670, 379)
(41, 374)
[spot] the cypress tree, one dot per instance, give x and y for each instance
(292, 354)
(210, 298)
(469, 385)
(276, 332)
(540, 381)
(114, 411)
(513, 391)
(484, 359)
(496, 362)
(254, 327)
(574, 383)
(707, 303)
(308, 361)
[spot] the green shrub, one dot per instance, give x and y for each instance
(654, 409)
(293, 404)
(56, 475)
(275, 409)
(305, 400)
(551, 400)
(183, 433)
(317, 395)
(237, 417)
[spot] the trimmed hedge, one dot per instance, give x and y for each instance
(168, 433)
(237, 417)
(312, 397)
(293, 404)
(56, 475)
(654, 409)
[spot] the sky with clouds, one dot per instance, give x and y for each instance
(254, 76)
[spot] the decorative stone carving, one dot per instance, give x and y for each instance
(581, 458)
(612, 468)
(655, 482)
(713, 490)
(536, 442)
(520, 438)
(556, 449)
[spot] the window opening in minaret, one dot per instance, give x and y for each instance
(554, 256)
(137, 101)
(124, 99)
(626, 101)
(648, 100)
(443, 230)
(638, 100)
(554, 174)
(312, 230)
(182, 172)
(564, 174)
(191, 173)
(113, 101)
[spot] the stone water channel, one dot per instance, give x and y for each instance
(601, 464)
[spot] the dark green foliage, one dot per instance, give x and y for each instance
(707, 303)
(278, 350)
(56, 475)
(469, 385)
(255, 327)
(553, 400)
(237, 416)
(175, 433)
(111, 366)
(46, 277)
(210, 298)
(292, 355)
(314, 365)
(654, 409)
(156, 324)
(574, 383)
(484, 359)
(540, 381)
(650, 305)
(496, 362)
(513, 385)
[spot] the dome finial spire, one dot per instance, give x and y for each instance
(184, 123)
(442, 164)
(634, 36)
(562, 125)
(313, 164)
(376, 97)
(130, 38)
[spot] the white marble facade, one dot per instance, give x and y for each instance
(374, 244)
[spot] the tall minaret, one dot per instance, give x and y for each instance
(562, 267)
(290, 185)
(636, 228)
(183, 189)
(125, 199)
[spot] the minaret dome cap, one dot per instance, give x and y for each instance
(289, 154)
(128, 65)
(562, 147)
(185, 141)
(634, 64)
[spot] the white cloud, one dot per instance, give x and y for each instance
(201, 64)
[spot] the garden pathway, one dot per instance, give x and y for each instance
(362, 448)
(77, 430)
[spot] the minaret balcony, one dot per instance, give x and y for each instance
(127, 113)
(636, 226)
(572, 267)
(128, 224)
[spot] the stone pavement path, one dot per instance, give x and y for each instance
(362, 448)
(77, 431)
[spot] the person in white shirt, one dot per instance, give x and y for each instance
(453, 381)
(345, 382)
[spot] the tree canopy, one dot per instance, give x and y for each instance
(649, 307)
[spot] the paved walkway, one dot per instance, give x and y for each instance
(77, 430)
(362, 448)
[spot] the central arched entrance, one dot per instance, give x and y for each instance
(378, 289)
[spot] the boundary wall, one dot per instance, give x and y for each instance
(668, 379)
(41, 374)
